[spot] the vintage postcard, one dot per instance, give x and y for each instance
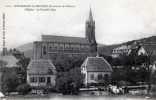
(78, 49)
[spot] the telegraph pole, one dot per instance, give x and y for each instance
(4, 31)
(2, 65)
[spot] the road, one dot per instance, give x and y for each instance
(82, 98)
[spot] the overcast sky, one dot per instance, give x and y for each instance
(116, 20)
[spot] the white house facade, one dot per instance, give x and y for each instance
(41, 73)
(128, 49)
(96, 70)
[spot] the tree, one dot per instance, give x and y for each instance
(153, 82)
(108, 58)
(9, 80)
(69, 78)
(64, 63)
(22, 72)
(69, 82)
(148, 63)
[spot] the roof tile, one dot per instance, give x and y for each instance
(53, 38)
(97, 64)
(41, 66)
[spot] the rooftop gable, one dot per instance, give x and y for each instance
(97, 64)
(41, 66)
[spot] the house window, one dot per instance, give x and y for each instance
(106, 77)
(99, 76)
(33, 79)
(92, 76)
(48, 80)
(41, 79)
(55, 46)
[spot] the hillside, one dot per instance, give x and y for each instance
(102, 49)
(27, 49)
(151, 39)
(107, 50)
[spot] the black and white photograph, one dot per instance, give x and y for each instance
(77, 49)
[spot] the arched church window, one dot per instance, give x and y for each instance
(44, 50)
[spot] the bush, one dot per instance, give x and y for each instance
(48, 89)
(9, 80)
(23, 89)
(69, 82)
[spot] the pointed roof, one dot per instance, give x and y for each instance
(90, 15)
(150, 48)
(97, 64)
(41, 66)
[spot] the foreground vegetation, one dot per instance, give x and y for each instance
(69, 79)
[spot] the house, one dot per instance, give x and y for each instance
(124, 49)
(150, 47)
(96, 70)
(41, 73)
(137, 49)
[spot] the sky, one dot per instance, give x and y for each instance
(116, 21)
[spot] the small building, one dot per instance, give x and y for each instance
(124, 49)
(134, 48)
(96, 70)
(41, 73)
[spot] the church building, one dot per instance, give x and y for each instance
(51, 45)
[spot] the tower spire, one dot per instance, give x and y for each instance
(90, 15)
(90, 33)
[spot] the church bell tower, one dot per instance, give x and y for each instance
(90, 33)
